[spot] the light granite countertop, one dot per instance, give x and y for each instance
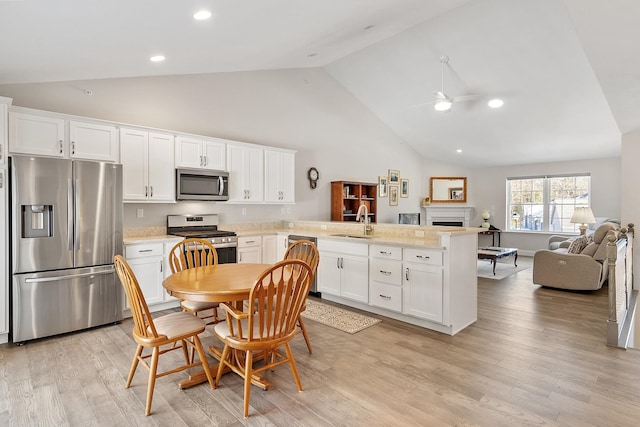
(393, 234)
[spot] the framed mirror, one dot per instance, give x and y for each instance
(448, 189)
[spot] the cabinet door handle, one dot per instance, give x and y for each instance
(250, 241)
(161, 267)
(406, 273)
(73, 147)
(151, 191)
(385, 297)
(146, 191)
(342, 263)
(60, 146)
(386, 273)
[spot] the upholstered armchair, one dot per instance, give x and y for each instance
(577, 264)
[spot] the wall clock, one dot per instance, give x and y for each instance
(313, 177)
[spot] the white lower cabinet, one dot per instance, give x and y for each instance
(270, 249)
(423, 284)
(344, 269)
(150, 263)
(148, 266)
(282, 242)
(250, 250)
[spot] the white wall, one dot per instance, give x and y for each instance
(302, 109)
(488, 191)
(630, 200)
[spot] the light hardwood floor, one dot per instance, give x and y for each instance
(534, 357)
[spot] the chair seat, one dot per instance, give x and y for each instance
(198, 305)
(222, 329)
(178, 324)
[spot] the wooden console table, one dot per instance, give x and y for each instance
(493, 234)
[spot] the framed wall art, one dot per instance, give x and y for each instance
(394, 176)
(382, 186)
(404, 188)
(393, 195)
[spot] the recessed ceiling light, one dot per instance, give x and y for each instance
(157, 58)
(495, 103)
(458, 151)
(201, 15)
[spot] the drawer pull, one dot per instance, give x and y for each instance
(422, 257)
(385, 253)
(145, 250)
(384, 297)
(386, 273)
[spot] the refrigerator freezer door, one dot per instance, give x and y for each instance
(98, 212)
(56, 302)
(42, 224)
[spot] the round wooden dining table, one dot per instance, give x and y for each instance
(229, 283)
(214, 283)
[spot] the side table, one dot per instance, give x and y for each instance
(493, 234)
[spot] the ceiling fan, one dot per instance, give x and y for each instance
(443, 102)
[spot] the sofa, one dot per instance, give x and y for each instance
(579, 263)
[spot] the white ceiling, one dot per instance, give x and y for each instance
(568, 70)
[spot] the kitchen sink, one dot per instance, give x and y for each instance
(353, 236)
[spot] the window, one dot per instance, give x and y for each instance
(546, 203)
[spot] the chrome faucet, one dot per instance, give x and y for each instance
(365, 218)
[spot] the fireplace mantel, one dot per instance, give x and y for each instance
(452, 214)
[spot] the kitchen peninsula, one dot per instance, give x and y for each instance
(422, 275)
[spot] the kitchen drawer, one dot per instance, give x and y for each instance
(385, 296)
(143, 250)
(386, 271)
(423, 256)
(388, 252)
(248, 241)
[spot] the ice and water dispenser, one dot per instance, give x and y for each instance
(37, 221)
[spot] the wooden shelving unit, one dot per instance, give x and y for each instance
(347, 196)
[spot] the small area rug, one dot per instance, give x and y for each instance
(343, 320)
(503, 269)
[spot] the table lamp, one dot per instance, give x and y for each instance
(485, 216)
(583, 216)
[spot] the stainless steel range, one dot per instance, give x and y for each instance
(205, 227)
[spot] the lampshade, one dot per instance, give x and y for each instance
(486, 215)
(583, 215)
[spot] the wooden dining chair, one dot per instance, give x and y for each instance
(171, 329)
(275, 301)
(191, 253)
(304, 250)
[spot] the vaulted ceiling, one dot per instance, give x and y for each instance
(567, 70)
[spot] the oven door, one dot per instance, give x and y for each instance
(227, 254)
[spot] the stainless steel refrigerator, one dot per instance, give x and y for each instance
(66, 228)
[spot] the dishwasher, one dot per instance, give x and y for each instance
(313, 291)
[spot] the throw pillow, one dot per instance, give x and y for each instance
(578, 244)
(590, 249)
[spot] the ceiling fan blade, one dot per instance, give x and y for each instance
(421, 104)
(463, 98)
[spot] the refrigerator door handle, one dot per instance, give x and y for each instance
(70, 215)
(70, 276)
(76, 214)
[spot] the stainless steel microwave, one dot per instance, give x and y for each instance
(202, 184)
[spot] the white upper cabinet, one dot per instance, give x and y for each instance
(147, 166)
(246, 173)
(42, 134)
(93, 141)
(35, 134)
(279, 176)
(200, 153)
